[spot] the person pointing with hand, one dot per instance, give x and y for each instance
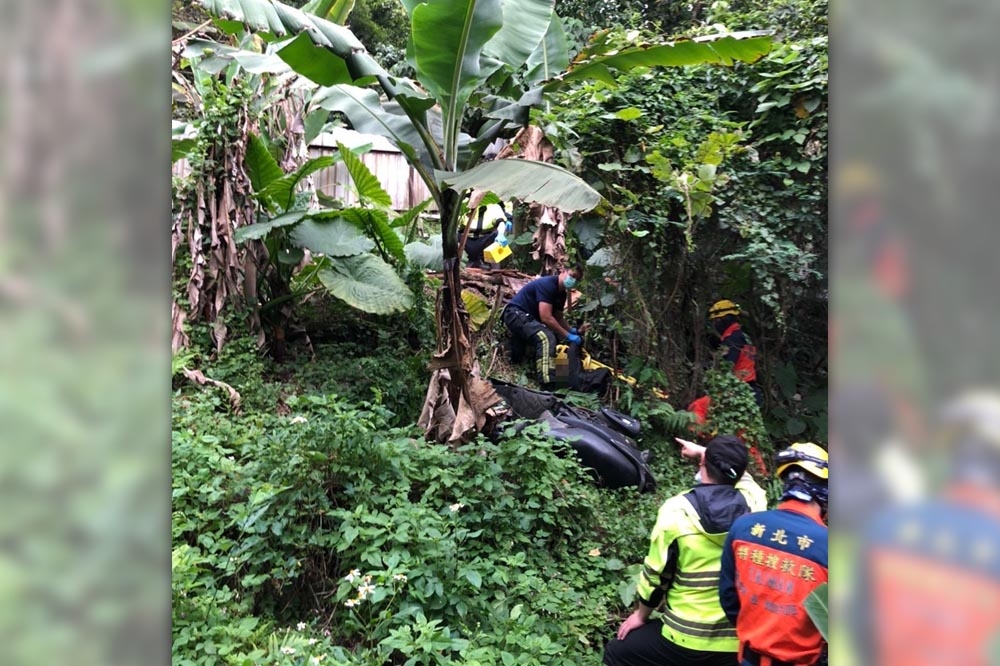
(682, 566)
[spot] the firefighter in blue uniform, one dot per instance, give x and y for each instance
(535, 316)
(773, 560)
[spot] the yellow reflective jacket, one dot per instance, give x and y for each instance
(683, 563)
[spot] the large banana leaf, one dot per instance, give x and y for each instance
(525, 23)
(447, 39)
(367, 283)
(319, 65)
(283, 20)
(334, 10)
(336, 238)
(275, 18)
(551, 56)
(527, 180)
(594, 63)
(365, 113)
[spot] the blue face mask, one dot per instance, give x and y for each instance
(570, 282)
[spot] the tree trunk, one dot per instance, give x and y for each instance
(458, 399)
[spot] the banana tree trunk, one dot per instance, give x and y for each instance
(458, 400)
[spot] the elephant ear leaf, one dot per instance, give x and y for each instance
(336, 238)
(367, 283)
(376, 224)
(426, 255)
(262, 168)
(282, 191)
(367, 185)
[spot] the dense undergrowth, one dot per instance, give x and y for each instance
(317, 526)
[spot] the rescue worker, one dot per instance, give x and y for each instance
(929, 574)
(774, 559)
(535, 315)
(682, 567)
(482, 223)
(726, 329)
(739, 350)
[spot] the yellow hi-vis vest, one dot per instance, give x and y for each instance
(685, 561)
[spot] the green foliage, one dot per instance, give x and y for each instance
(733, 408)
(818, 606)
(283, 516)
(717, 183)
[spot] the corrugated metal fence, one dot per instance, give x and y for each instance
(384, 160)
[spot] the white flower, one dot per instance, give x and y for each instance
(316, 660)
(299, 419)
(365, 590)
(287, 650)
(312, 641)
(353, 575)
(400, 577)
(351, 603)
(456, 506)
(301, 626)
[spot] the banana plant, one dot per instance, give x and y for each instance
(341, 240)
(480, 65)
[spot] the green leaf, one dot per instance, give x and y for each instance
(314, 123)
(334, 10)
(711, 49)
(261, 166)
(787, 379)
(479, 309)
(367, 283)
(181, 148)
(818, 607)
(261, 229)
(336, 238)
(275, 18)
(795, 426)
(529, 181)
(184, 138)
(446, 50)
(364, 110)
(551, 56)
(319, 65)
(525, 23)
(282, 191)
(366, 184)
(376, 224)
(426, 255)
(474, 578)
(630, 113)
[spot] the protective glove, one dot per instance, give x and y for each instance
(574, 331)
(573, 338)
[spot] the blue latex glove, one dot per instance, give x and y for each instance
(574, 331)
(573, 338)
